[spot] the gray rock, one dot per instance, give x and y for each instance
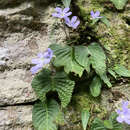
(3, 55)
(26, 28)
(16, 118)
(15, 87)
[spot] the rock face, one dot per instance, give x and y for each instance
(16, 118)
(26, 28)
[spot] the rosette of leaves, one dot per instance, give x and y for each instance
(110, 124)
(80, 58)
(47, 81)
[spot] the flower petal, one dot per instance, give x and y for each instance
(40, 55)
(55, 15)
(119, 119)
(48, 53)
(125, 104)
(99, 17)
(67, 19)
(74, 18)
(67, 14)
(127, 121)
(76, 24)
(92, 14)
(58, 9)
(46, 61)
(36, 61)
(34, 69)
(66, 10)
(97, 13)
(118, 111)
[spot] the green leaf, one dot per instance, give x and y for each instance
(106, 80)
(105, 21)
(65, 57)
(95, 86)
(44, 114)
(82, 57)
(85, 117)
(98, 58)
(122, 71)
(46, 81)
(108, 124)
(94, 21)
(116, 125)
(112, 73)
(97, 124)
(119, 4)
(66, 3)
(98, 61)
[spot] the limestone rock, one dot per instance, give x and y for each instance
(26, 28)
(16, 118)
(16, 87)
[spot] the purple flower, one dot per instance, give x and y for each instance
(43, 59)
(95, 15)
(73, 22)
(61, 13)
(124, 114)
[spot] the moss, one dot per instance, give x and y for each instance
(116, 37)
(84, 100)
(79, 102)
(86, 6)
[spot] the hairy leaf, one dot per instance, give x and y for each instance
(108, 124)
(112, 73)
(122, 71)
(97, 124)
(85, 117)
(105, 21)
(98, 61)
(82, 57)
(65, 57)
(66, 3)
(119, 4)
(106, 80)
(44, 114)
(111, 124)
(98, 58)
(46, 81)
(116, 125)
(95, 86)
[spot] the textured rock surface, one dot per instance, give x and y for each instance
(15, 87)
(26, 27)
(16, 118)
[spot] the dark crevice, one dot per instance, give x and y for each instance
(19, 104)
(127, 20)
(9, 68)
(11, 3)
